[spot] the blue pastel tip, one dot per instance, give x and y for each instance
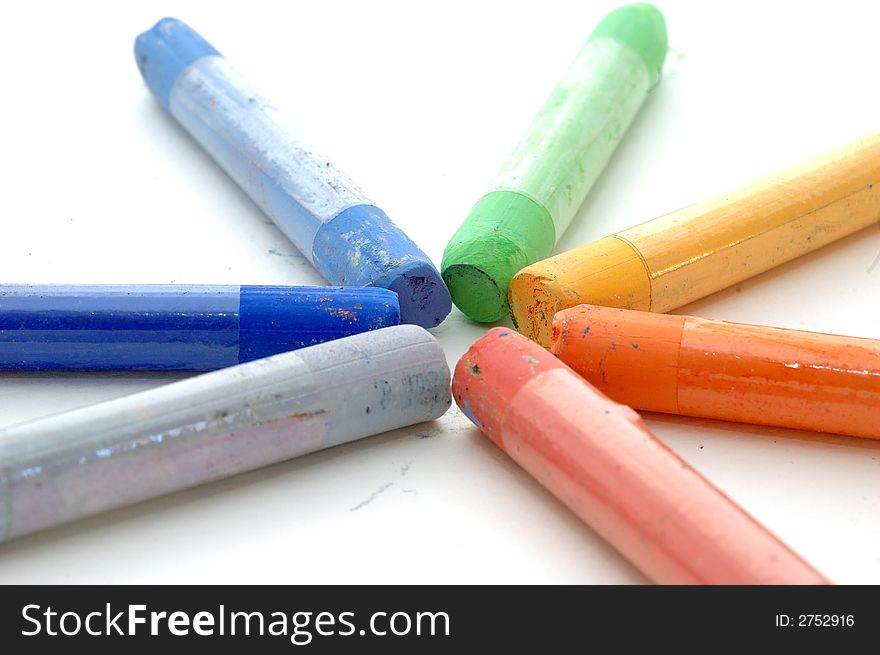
(422, 294)
(164, 51)
(361, 246)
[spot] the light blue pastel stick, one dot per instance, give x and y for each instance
(326, 215)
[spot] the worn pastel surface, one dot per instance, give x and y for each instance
(319, 208)
(176, 327)
(722, 370)
(215, 425)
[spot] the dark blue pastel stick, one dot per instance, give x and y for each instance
(176, 327)
(328, 217)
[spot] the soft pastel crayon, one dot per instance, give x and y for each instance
(686, 255)
(600, 460)
(176, 327)
(722, 370)
(557, 161)
(348, 239)
(215, 425)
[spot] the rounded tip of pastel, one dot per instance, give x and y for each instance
(361, 246)
(640, 26)
(424, 299)
(477, 290)
(563, 330)
(504, 232)
(534, 299)
(164, 51)
(492, 371)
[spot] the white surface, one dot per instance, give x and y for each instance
(420, 104)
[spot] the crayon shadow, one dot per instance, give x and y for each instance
(458, 320)
(767, 433)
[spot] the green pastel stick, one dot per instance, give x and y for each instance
(547, 176)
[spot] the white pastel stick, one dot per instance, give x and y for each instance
(212, 426)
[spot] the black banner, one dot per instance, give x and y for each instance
(434, 619)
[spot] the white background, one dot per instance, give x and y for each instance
(420, 103)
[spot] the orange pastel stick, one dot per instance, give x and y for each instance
(598, 458)
(729, 371)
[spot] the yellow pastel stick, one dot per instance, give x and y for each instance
(700, 249)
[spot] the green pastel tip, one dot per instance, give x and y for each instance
(475, 291)
(642, 28)
(505, 232)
